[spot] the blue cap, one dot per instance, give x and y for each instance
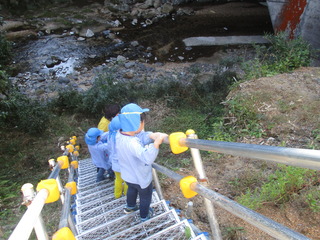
(130, 117)
(114, 124)
(91, 136)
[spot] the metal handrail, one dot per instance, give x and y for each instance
(27, 222)
(29, 219)
(32, 217)
(291, 156)
(267, 225)
(298, 157)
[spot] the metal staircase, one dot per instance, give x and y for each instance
(98, 215)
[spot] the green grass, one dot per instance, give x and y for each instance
(282, 55)
(280, 187)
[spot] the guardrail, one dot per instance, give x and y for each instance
(50, 190)
(180, 142)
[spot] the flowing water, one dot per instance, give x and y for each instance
(159, 41)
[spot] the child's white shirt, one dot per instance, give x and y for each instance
(136, 155)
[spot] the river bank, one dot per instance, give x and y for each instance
(68, 47)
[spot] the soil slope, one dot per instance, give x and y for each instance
(288, 102)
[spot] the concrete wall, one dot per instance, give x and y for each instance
(298, 18)
(309, 27)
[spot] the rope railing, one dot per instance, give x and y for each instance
(50, 190)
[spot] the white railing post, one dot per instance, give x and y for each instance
(28, 196)
(214, 225)
(31, 216)
(157, 183)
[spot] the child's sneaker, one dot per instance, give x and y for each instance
(128, 210)
(150, 214)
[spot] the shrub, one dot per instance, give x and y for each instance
(5, 48)
(69, 100)
(106, 89)
(174, 92)
(282, 55)
(30, 116)
(3, 81)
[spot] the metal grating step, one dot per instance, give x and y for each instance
(108, 207)
(84, 173)
(181, 231)
(87, 169)
(85, 166)
(94, 196)
(85, 163)
(201, 237)
(88, 175)
(87, 181)
(107, 185)
(150, 227)
(94, 203)
(117, 221)
(83, 187)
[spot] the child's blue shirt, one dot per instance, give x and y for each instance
(113, 157)
(99, 155)
(135, 155)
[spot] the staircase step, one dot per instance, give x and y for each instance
(84, 163)
(114, 221)
(201, 237)
(88, 181)
(81, 208)
(86, 166)
(82, 192)
(148, 228)
(108, 207)
(91, 174)
(181, 230)
(89, 196)
(86, 186)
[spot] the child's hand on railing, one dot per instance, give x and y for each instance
(158, 138)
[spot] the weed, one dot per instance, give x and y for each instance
(313, 199)
(184, 120)
(246, 180)
(241, 119)
(232, 232)
(279, 187)
(314, 143)
(230, 61)
(187, 232)
(282, 55)
(221, 132)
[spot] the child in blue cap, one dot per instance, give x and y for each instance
(120, 186)
(98, 151)
(137, 150)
